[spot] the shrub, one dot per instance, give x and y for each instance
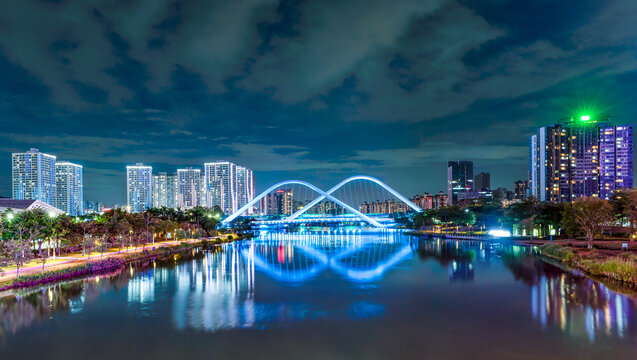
(81, 270)
(617, 269)
(557, 251)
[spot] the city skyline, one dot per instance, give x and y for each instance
(104, 89)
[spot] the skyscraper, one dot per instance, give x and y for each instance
(221, 185)
(160, 190)
(482, 182)
(549, 163)
(69, 186)
(139, 187)
(459, 178)
(245, 187)
(188, 188)
(615, 159)
(33, 176)
(582, 157)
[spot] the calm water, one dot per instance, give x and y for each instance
(326, 297)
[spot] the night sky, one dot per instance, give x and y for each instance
(313, 90)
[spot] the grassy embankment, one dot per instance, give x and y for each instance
(109, 264)
(620, 267)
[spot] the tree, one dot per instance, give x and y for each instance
(523, 214)
(588, 214)
(624, 203)
(549, 214)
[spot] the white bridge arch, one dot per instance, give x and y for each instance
(325, 196)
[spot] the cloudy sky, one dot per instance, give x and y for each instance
(316, 90)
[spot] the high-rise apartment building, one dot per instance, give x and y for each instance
(188, 188)
(482, 182)
(615, 159)
(459, 178)
(221, 185)
(277, 203)
(139, 189)
(33, 176)
(69, 188)
(227, 185)
(582, 157)
(164, 190)
(245, 187)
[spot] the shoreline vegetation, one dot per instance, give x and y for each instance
(619, 267)
(605, 261)
(110, 264)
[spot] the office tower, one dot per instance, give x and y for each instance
(188, 188)
(139, 189)
(245, 187)
(482, 182)
(160, 190)
(615, 159)
(459, 178)
(584, 156)
(520, 188)
(33, 176)
(69, 188)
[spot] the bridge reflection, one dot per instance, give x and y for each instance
(217, 289)
(298, 257)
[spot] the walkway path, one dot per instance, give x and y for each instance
(61, 262)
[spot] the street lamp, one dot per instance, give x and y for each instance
(51, 214)
(10, 216)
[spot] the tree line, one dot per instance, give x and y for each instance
(36, 234)
(585, 216)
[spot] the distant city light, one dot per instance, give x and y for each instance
(499, 233)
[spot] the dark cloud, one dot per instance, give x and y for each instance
(311, 89)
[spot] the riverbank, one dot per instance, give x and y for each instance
(74, 267)
(617, 266)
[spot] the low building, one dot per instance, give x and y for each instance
(15, 205)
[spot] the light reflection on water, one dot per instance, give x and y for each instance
(278, 280)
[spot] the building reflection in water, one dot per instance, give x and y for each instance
(576, 303)
(216, 292)
(572, 302)
(215, 289)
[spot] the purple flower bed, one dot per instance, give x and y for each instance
(95, 267)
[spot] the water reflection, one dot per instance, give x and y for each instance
(274, 281)
(296, 258)
(574, 303)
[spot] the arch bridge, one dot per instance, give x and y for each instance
(358, 200)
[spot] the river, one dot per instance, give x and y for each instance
(322, 296)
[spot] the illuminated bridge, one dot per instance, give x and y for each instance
(357, 201)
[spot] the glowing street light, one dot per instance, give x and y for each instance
(10, 216)
(585, 117)
(51, 214)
